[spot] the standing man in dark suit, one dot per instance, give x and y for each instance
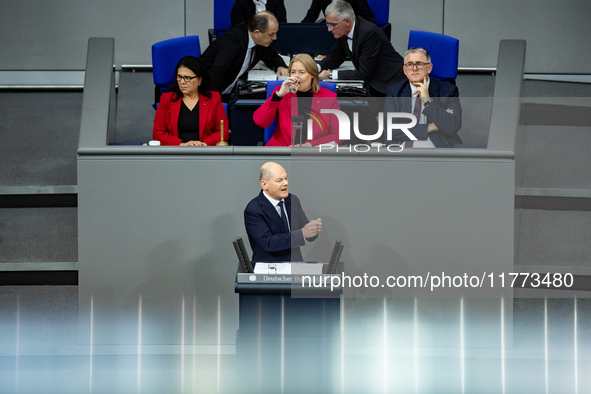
(435, 104)
(275, 221)
(243, 10)
(231, 56)
(375, 60)
(360, 7)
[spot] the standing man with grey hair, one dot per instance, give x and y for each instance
(375, 59)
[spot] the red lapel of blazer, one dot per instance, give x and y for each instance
(204, 109)
(175, 111)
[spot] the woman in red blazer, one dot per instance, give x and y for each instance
(190, 114)
(302, 84)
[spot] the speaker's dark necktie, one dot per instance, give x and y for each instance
(283, 215)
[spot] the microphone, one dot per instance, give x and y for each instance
(298, 122)
(299, 119)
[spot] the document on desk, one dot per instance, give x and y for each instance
(260, 71)
(288, 268)
(346, 65)
(273, 268)
(262, 75)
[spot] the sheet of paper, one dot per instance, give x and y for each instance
(288, 268)
(346, 65)
(286, 59)
(273, 268)
(262, 75)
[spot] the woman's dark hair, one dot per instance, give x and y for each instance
(197, 66)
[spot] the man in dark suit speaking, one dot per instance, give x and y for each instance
(375, 59)
(235, 52)
(435, 104)
(275, 221)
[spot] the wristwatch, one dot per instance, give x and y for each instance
(426, 103)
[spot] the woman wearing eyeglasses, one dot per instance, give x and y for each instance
(190, 114)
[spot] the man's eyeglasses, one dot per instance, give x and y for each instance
(419, 65)
(332, 25)
(185, 79)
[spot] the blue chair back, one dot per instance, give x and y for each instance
(328, 85)
(381, 10)
(444, 51)
(165, 56)
(271, 85)
(221, 18)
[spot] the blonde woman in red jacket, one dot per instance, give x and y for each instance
(190, 114)
(302, 84)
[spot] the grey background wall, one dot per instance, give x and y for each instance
(53, 35)
(169, 254)
(39, 35)
(551, 28)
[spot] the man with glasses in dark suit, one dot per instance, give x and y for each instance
(435, 104)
